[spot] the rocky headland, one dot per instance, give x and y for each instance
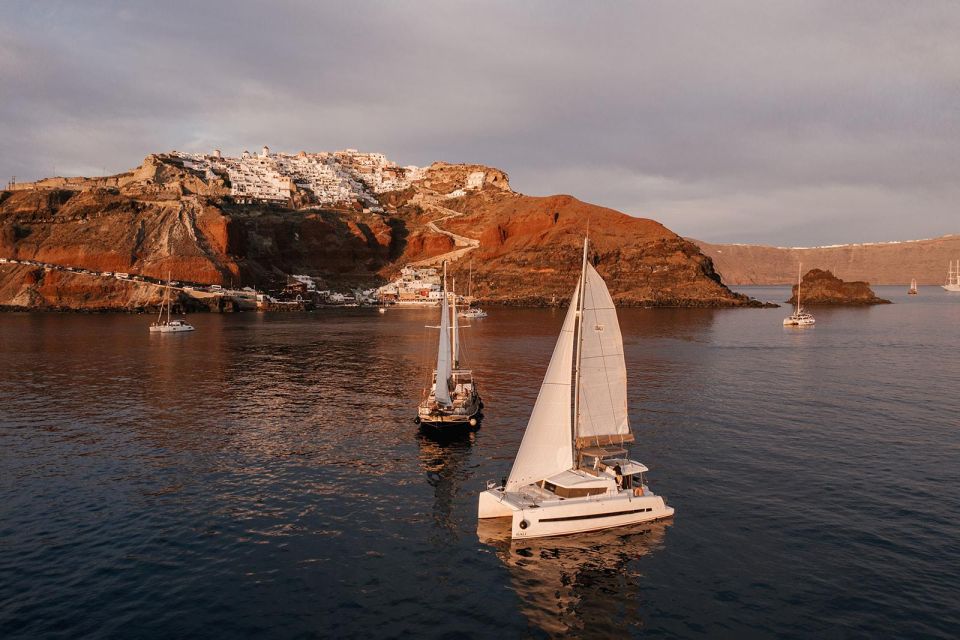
(180, 216)
(821, 287)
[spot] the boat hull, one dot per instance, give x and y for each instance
(954, 288)
(169, 329)
(565, 517)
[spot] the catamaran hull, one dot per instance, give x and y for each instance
(952, 287)
(787, 322)
(166, 329)
(565, 517)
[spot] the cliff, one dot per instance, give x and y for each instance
(822, 287)
(879, 263)
(169, 217)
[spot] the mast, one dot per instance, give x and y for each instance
(579, 338)
(454, 326)
(799, 271)
(470, 282)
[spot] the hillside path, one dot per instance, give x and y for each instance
(464, 244)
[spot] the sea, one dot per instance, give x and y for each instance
(262, 477)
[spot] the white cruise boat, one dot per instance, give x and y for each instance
(166, 325)
(953, 277)
(453, 398)
(572, 473)
(799, 318)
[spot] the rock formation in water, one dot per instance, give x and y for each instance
(879, 262)
(194, 218)
(822, 287)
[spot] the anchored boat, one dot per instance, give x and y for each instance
(453, 398)
(799, 318)
(572, 473)
(913, 287)
(953, 277)
(167, 325)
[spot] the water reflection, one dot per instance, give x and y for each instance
(588, 583)
(444, 457)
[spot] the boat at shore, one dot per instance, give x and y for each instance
(453, 398)
(799, 318)
(472, 312)
(168, 325)
(571, 473)
(953, 277)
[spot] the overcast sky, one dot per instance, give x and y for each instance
(787, 123)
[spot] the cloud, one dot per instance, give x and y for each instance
(781, 122)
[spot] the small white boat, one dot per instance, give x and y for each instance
(453, 398)
(382, 310)
(473, 312)
(953, 277)
(913, 287)
(799, 318)
(166, 325)
(572, 473)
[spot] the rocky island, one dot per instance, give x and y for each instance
(346, 218)
(823, 288)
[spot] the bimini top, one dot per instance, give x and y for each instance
(604, 452)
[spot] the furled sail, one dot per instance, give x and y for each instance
(603, 372)
(546, 448)
(444, 357)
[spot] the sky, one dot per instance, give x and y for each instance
(784, 123)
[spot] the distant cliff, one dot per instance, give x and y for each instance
(822, 287)
(179, 215)
(879, 263)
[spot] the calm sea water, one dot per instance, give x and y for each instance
(263, 477)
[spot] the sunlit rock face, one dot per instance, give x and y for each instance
(347, 217)
(822, 287)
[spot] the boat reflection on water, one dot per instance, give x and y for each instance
(444, 457)
(587, 583)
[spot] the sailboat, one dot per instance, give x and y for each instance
(913, 287)
(453, 398)
(168, 325)
(953, 277)
(472, 312)
(799, 318)
(572, 473)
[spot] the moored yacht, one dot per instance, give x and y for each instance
(472, 312)
(167, 325)
(452, 398)
(953, 277)
(799, 318)
(572, 472)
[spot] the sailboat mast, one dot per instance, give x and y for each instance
(455, 357)
(579, 333)
(799, 271)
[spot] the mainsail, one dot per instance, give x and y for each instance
(444, 356)
(603, 372)
(546, 448)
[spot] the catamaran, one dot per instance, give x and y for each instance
(913, 287)
(799, 318)
(453, 398)
(572, 473)
(953, 277)
(168, 325)
(472, 312)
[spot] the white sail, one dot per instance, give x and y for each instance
(603, 372)
(546, 448)
(444, 363)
